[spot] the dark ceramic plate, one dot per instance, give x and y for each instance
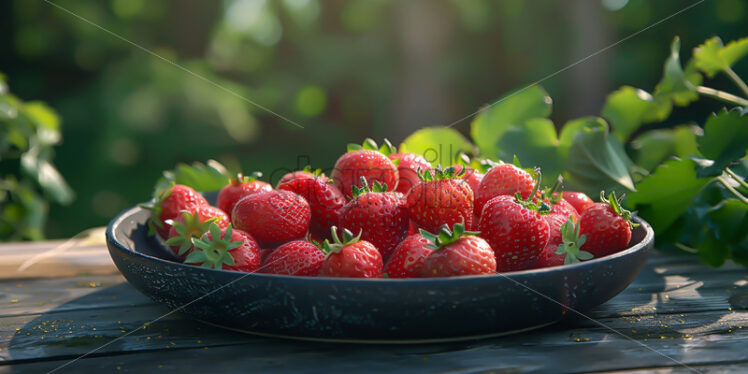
(370, 310)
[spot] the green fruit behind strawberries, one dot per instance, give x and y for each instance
(458, 252)
(366, 161)
(379, 215)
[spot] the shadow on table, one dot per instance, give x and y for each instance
(110, 334)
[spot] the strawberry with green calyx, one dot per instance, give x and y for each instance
(504, 179)
(350, 257)
(440, 199)
(475, 170)
(168, 204)
(240, 187)
(299, 257)
(558, 204)
(365, 161)
(325, 200)
(408, 165)
(564, 247)
(457, 252)
(515, 229)
(226, 249)
(380, 215)
(607, 226)
(193, 225)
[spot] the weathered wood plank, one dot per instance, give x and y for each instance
(557, 349)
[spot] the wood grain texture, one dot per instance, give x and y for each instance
(678, 307)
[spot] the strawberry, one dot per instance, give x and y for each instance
(168, 204)
(443, 199)
(558, 205)
(226, 249)
(238, 188)
(515, 230)
(564, 245)
(408, 257)
(457, 252)
(380, 216)
(351, 257)
(272, 217)
(606, 225)
(504, 179)
(193, 225)
(470, 175)
(407, 169)
(365, 161)
(578, 200)
(298, 257)
(325, 200)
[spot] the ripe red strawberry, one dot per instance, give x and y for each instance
(471, 176)
(226, 249)
(558, 205)
(298, 257)
(238, 188)
(168, 204)
(379, 215)
(325, 200)
(443, 199)
(504, 179)
(458, 252)
(365, 161)
(407, 169)
(408, 258)
(564, 245)
(515, 230)
(351, 257)
(193, 225)
(606, 225)
(578, 200)
(272, 217)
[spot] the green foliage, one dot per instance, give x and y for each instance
(725, 140)
(439, 145)
(210, 176)
(680, 179)
(28, 178)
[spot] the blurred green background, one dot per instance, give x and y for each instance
(344, 70)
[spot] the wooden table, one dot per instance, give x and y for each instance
(75, 301)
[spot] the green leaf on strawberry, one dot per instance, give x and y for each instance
(571, 244)
(376, 187)
(213, 252)
(337, 245)
(446, 236)
(191, 228)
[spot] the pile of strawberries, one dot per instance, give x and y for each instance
(388, 214)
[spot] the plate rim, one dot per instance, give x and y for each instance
(646, 242)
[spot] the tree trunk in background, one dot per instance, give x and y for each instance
(422, 97)
(588, 83)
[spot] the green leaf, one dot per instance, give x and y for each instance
(512, 109)
(439, 145)
(36, 165)
(628, 108)
(536, 144)
(597, 161)
(713, 57)
(211, 176)
(712, 251)
(655, 146)
(725, 140)
(729, 221)
(674, 84)
(666, 194)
